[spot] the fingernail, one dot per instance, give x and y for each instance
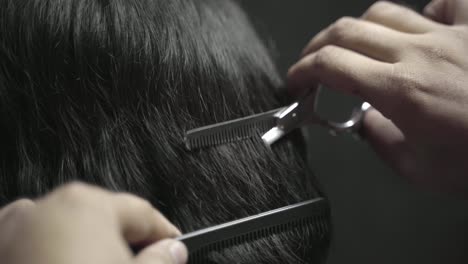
(178, 252)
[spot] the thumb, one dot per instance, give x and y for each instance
(448, 11)
(167, 251)
(387, 140)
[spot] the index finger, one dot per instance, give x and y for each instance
(140, 222)
(448, 11)
(346, 71)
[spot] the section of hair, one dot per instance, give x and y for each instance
(103, 91)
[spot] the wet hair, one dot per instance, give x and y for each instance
(102, 91)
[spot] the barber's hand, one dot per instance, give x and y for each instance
(79, 224)
(414, 70)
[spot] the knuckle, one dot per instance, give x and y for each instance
(146, 206)
(18, 208)
(73, 192)
(434, 53)
(430, 49)
(23, 204)
(380, 9)
(344, 22)
(341, 27)
(136, 202)
(408, 86)
(75, 189)
(323, 56)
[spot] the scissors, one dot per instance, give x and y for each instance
(274, 125)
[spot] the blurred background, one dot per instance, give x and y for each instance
(377, 216)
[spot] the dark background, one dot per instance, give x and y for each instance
(377, 216)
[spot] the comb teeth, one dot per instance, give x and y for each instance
(230, 131)
(310, 217)
(316, 226)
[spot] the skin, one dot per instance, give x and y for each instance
(413, 69)
(79, 223)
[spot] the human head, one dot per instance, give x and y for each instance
(102, 91)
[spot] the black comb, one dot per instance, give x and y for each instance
(310, 216)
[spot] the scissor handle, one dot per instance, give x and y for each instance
(304, 112)
(353, 125)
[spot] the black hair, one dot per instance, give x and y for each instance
(102, 91)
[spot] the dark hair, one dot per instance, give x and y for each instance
(102, 91)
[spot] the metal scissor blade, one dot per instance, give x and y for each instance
(231, 131)
(294, 116)
(273, 135)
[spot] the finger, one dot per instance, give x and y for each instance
(460, 11)
(15, 208)
(437, 11)
(140, 222)
(137, 220)
(448, 11)
(11, 217)
(163, 252)
(365, 37)
(386, 139)
(342, 70)
(399, 18)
